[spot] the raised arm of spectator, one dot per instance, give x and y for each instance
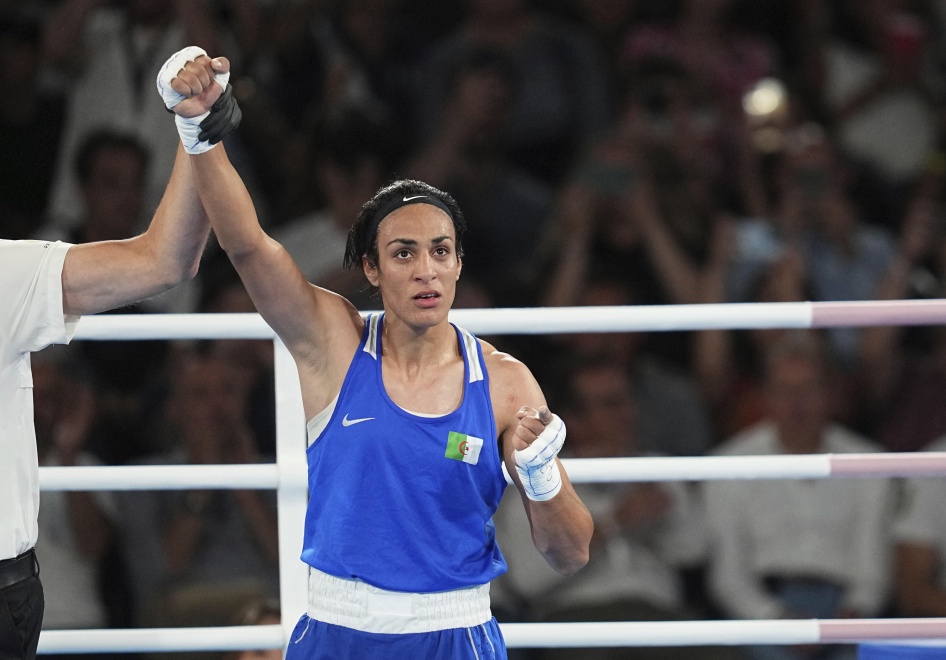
(676, 271)
(575, 233)
(713, 349)
(878, 345)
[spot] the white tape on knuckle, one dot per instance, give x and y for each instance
(551, 440)
(187, 127)
(222, 79)
(169, 72)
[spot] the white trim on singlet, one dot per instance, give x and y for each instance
(469, 341)
(317, 424)
(372, 342)
(472, 355)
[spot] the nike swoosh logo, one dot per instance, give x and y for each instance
(349, 422)
(407, 199)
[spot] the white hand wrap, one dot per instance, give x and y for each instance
(536, 464)
(187, 127)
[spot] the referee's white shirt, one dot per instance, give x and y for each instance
(31, 318)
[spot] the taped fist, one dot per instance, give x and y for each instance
(539, 437)
(194, 87)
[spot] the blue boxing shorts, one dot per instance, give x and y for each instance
(315, 640)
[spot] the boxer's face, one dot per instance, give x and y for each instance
(418, 266)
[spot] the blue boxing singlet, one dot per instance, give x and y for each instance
(401, 501)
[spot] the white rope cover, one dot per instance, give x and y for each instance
(551, 320)
(528, 635)
(580, 470)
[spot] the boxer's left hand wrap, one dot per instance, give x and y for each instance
(536, 464)
(187, 127)
(225, 116)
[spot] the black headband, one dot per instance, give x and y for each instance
(397, 203)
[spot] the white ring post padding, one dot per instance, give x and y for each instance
(292, 497)
(140, 640)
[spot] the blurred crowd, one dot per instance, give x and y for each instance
(605, 152)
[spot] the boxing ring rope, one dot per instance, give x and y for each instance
(288, 475)
(265, 476)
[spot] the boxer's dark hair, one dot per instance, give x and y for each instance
(363, 235)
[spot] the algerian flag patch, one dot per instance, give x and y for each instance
(463, 447)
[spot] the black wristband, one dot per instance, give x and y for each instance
(224, 117)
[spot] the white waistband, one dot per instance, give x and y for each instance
(358, 605)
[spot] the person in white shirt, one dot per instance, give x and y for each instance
(46, 287)
(920, 538)
(647, 535)
(798, 548)
(76, 528)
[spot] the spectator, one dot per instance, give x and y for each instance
(321, 60)
(845, 257)
(349, 160)
(672, 416)
(195, 552)
(883, 91)
(704, 40)
(76, 528)
(640, 200)
(607, 24)
(111, 170)
(257, 612)
(648, 536)
(561, 95)
(506, 208)
(109, 50)
(250, 361)
(634, 209)
(798, 549)
(904, 374)
(373, 49)
(920, 534)
(31, 123)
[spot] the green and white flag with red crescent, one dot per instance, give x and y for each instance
(463, 447)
